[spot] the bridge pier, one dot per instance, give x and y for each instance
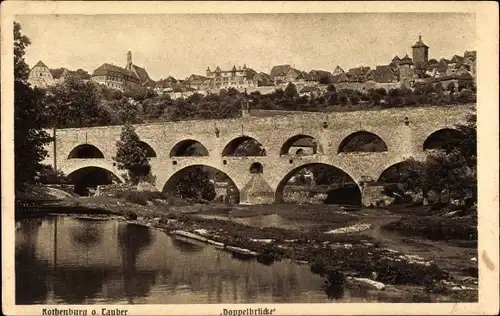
(371, 194)
(257, 191)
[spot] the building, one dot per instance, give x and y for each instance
(264, 79)
(241, 77)
(358, 74)
(338, 71)
(406, 74)
(420, 52)
(196, 82)
(40, 76)
(320, 76)
(115, 77)
(286, 73)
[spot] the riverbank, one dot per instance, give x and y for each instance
(346, 247)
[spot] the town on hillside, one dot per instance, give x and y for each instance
(399, 72)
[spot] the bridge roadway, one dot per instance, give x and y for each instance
(403, 130)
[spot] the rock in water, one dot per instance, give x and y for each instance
(146, 186)
(373, 284)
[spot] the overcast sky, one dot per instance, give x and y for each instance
(179, 45)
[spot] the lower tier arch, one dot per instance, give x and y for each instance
(332, 183)
(203, 182)
(87, 178)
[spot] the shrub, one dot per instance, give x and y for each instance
(131, 215)
(50, 176)
(270, 254)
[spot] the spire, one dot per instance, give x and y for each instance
(419, 43)
(129, 60)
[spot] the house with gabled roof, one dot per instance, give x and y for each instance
(287, 73)
(264, 79)
(115, 77)
(280, 71)
(358, 71)
(338, 70)
(195, 81)
(320, 76)
(385, 74)
(40, 76)
(341, 78)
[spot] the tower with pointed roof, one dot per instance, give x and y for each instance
(420, 52)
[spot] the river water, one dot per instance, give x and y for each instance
(78, 261)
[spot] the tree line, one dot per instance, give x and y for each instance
(78, 103)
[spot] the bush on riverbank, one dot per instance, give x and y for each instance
(131, 215)
(370, 262)
(436, 228)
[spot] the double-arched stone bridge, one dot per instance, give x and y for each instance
(404, 132)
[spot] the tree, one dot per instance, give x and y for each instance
(333, 98)
(331, 88)
(127, 112)
(451, 87)
(195, 184)
(291, 91)
(343, 99)
(250, 147)
(452, 169)
(21, 69)
(30, 116)
(75, 103)
(131, 156)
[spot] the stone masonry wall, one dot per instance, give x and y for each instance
(329, 129)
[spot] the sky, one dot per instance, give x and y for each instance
(179, 45)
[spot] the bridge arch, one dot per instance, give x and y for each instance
(150, 152)
(301, 144)
(85, 151)
(328, 173)
(244, 146)
(444, 139)
(188, 147)
(362, 141)
(90, 177)
(212, 182)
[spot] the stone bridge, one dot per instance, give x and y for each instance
(404, 132)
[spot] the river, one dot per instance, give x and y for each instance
(79, 261)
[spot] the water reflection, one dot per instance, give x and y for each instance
(64, 260)
(87, 233)
(184, 245)
(132, 240)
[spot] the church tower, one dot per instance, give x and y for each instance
(420, 52)
(129, 61)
